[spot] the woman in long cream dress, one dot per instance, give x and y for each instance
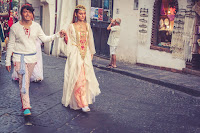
(80, 83)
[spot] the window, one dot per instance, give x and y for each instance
(166, 22)
(101, 10)
(163, 22)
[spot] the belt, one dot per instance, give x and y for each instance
(22, 70)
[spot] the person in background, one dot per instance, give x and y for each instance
(15, 16)
(10, 21)
(6, 28)
(2, 39)
(113, 40)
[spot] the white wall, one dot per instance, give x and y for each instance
(66, 9)
(154, 57)
(127, 48)
(48, 22)
(36, 6)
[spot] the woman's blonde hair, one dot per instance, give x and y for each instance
(77, 8)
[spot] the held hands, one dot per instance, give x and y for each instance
(62, 33)
(8, 68)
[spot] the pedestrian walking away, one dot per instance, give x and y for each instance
(113, 40)
(80, 83)
(22, 43)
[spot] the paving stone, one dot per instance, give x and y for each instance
(126, 104)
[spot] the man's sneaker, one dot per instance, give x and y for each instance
(27, 112)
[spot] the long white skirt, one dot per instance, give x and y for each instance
(38, 69)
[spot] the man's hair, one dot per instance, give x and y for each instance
(118, 20)
(27, 6)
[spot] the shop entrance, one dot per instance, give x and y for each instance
(101, 11)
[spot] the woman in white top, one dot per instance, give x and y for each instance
(80, 83)
(22, 43)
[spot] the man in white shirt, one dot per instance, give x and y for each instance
(113, 40)
(22, 44)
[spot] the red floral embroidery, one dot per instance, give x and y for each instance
(82, 47)
(27, 31)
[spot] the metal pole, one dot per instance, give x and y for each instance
(54, 26)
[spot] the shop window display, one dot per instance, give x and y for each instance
(101, 10)
(4, 7)
(166, 23)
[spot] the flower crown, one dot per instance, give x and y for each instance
(80, 7)
(26, 4)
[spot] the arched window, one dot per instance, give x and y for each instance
(163, 22)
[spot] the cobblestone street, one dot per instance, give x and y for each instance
(127, 104)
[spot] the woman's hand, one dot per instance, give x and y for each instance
(66, 38)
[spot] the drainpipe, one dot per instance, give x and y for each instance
(54, 26)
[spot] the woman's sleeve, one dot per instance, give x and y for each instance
(45, 38)
(91, 40)
(11, 45)
(66, 48)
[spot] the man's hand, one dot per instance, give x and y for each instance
(8, 68)
(111, 24)
(62, 33)
(113, 21)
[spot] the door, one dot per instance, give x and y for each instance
(101, 11)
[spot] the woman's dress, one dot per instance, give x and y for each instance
(80, 83)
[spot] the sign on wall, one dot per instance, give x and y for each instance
(135, 5)
(100, 14)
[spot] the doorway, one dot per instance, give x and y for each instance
(101, 11)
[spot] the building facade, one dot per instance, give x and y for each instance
(148, 35)
(149, 29)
